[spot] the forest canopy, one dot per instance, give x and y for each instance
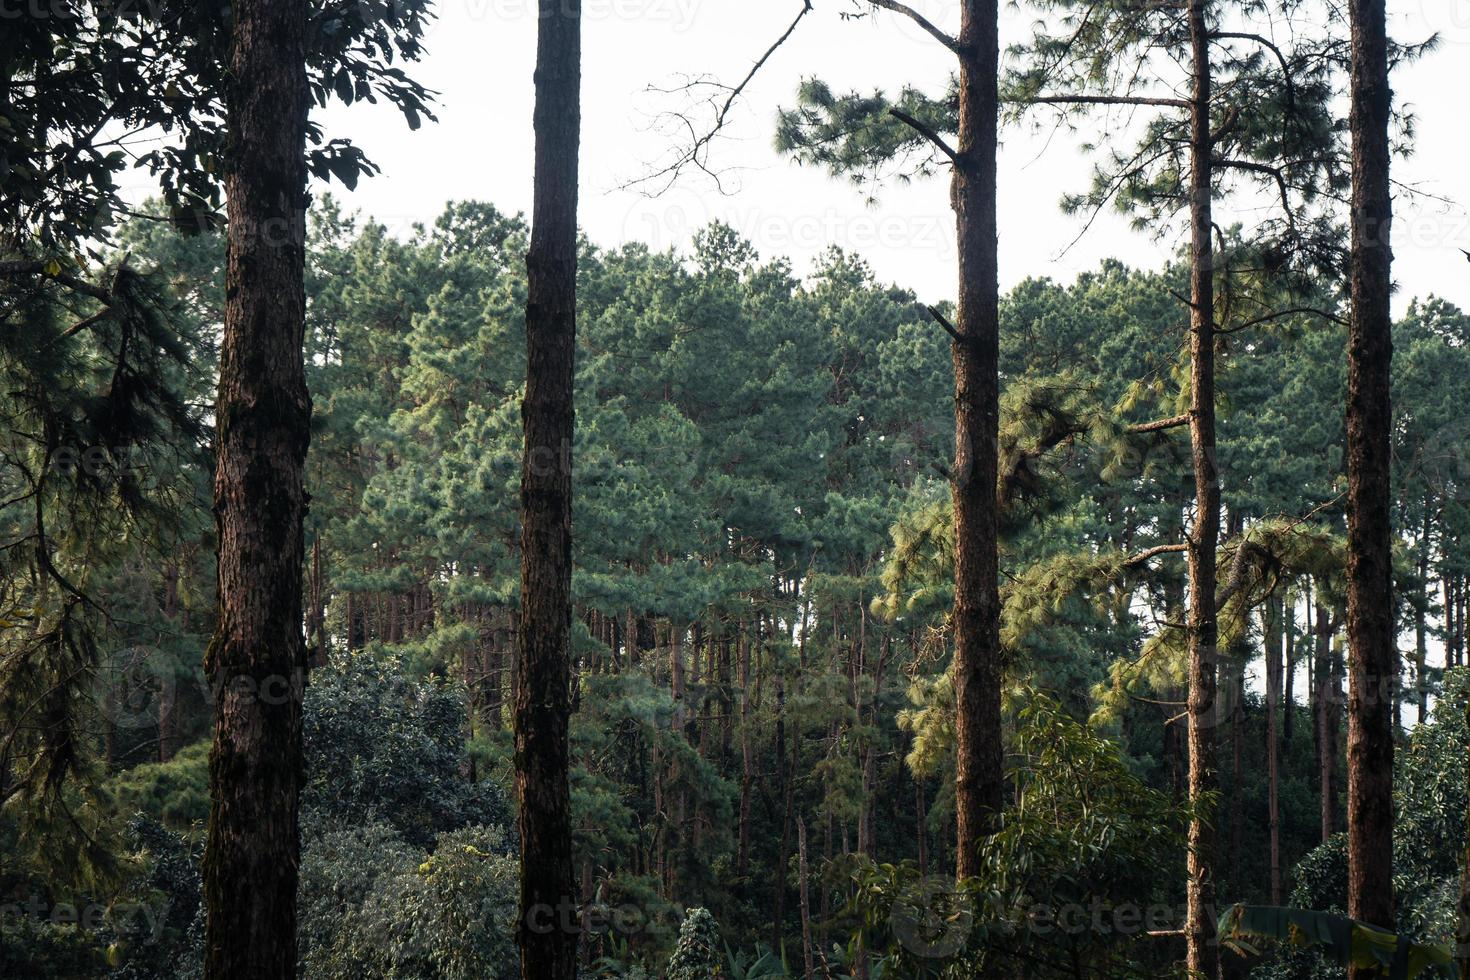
(761, 596)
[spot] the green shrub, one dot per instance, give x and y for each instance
(697, 955)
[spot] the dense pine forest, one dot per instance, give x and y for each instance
(473, 599)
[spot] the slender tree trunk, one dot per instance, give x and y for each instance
(679, 826)
(1288, 693)
(1331, 789)
(784, 782)
(257, 658)
(1372, 650)
(1274, 615)
(979, 779)
(806, 908)
(865, 743)
(727, 699)
(1455, 590)
(747, 758)
(824, 910)
(1421, 619)
(1202, 954)
(1233, 681)
(1451, 621)
(318, 635)
(548, 946)
(1462, 929)
(168, 691)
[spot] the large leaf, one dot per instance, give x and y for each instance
(1346, 941)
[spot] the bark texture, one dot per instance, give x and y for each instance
(1372, 655)
(547, 933)
(1201, 952)
(979, 781)
(257, 658)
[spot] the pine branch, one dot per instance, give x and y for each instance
(1161, 424)
(15, 269)
(1136, 100)
(1154, 552)
(1268, 317)
(1250, 166)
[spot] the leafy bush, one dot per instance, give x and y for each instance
(381, 747)
(697, 955)
(39, 950)
(374, 906)
(1430, 801)
(1069, 878)
(159, 934)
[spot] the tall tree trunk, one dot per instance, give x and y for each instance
(979, 779)
(1453, 625)
(1421, 618)
(543, 679)
(1462, 928)
(317, 635)
(1288, 690)
(747, 756)
(679, 826)
(1232, 683)
(1372, 650)
(865, 743)
(1202, 954)
(1332, 727)
(1275, 609)
(784, 781)
(257, 658)
(1460, 606)
(806, 907)
(168, 691)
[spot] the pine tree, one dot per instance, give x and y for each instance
(543, 675)
(1372, 641)
(257, 659)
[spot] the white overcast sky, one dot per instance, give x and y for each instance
(480, 61)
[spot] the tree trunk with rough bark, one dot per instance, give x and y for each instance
(256, 661)
(1372, 650)
(547, 930)
(1201, 952)
(979, 779)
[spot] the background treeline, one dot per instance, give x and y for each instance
(763, 575)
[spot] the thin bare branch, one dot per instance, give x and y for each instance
(697, 152)
(942, 37)
(943, 321)
(1159, 425)
(1142, 100)
(1155, 551)
(927, 132)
